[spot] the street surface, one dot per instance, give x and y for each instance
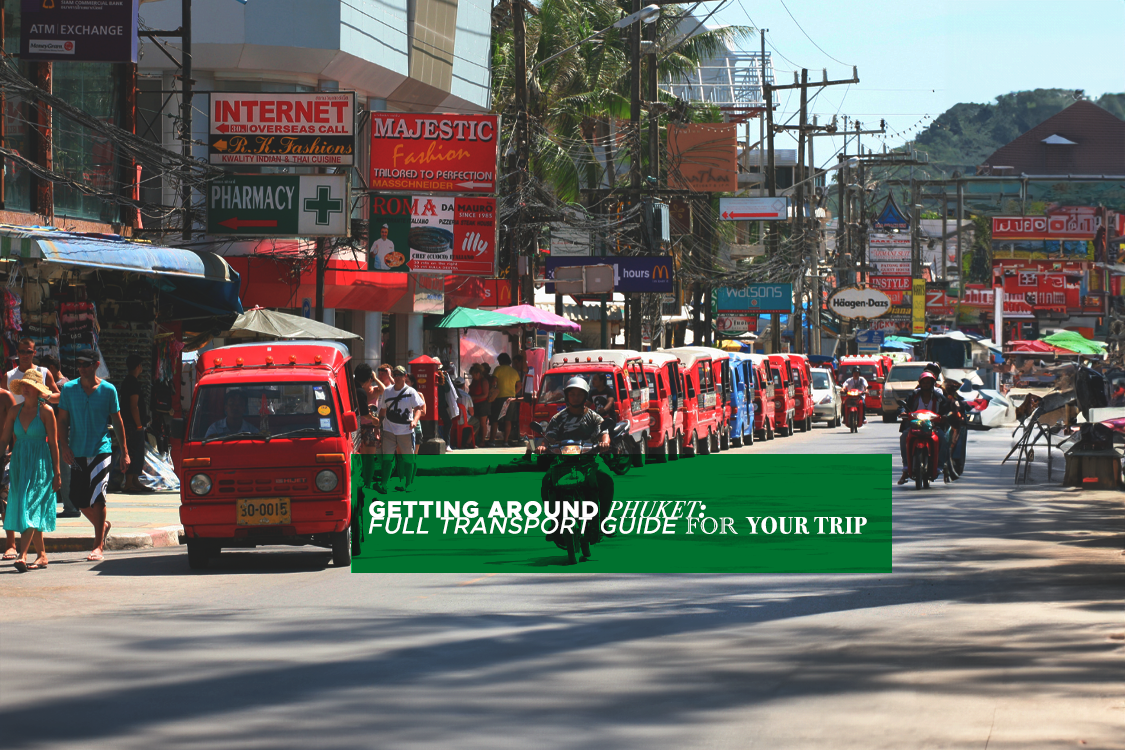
(1001, 627)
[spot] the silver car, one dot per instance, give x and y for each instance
(826, 398)
(900, 383)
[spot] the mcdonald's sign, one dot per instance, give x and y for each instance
(631, 273)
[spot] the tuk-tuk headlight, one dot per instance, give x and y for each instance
(327, 480)
(200, 484)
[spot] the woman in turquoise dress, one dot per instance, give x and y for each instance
(34, 470)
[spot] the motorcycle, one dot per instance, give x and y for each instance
(923, 446)
(572, 481)
(853, 408)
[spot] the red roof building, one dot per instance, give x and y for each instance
(1082, 139)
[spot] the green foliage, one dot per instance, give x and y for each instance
(980, 270)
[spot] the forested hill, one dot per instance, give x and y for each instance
(966, 134)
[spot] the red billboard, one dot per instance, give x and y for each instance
(434, 152)
(430, 234)
(890, 283)
(249, 128)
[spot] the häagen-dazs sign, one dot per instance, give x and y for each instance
(859, 302)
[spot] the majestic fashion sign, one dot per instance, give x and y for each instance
(434, 152)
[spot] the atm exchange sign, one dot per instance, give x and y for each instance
(316, 128)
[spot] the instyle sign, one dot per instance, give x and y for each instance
(755, 298)
(271, 129)
(859, 302)
(753, 209)
(703, 158)
(429, 234)
(434, 152)
(279, 205)
(890, 283)
(79, 30)
(631, 273)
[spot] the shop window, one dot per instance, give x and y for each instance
(81, 154)
(17, 114)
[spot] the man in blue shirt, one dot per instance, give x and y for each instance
(86, 407)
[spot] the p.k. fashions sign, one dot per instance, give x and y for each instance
(273, 129)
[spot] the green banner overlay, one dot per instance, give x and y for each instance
(485, 513)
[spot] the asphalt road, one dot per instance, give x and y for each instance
(1001, 627)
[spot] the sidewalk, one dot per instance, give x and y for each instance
(137, 521)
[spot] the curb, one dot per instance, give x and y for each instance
(165, 536)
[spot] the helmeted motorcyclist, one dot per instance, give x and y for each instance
(859, 383)
(925, 396)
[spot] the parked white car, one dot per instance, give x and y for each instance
(826, 397)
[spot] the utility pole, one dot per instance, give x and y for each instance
(771, 186)
(653, 161)
(799, 219)
(633, 324)
(813, 344)
(515, 230)
(186, 114)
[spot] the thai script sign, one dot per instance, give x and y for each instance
(272, 129)
(79, 30)
(1067, 222)
(448, 153)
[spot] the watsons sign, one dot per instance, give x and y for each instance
(756, 298)
(859, 302)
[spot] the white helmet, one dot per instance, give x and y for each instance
(577, 383)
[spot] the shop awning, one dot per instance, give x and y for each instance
(110, 252)
(279, 325)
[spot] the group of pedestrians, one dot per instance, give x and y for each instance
(49, 427)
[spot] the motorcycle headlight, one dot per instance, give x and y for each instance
(200, 484)
(327, 480)
(571, 450)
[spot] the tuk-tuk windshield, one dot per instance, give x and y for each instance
(867, 371)
(551, 390)
(274, 410)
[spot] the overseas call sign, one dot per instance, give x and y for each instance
(312, 129)
(434, 152)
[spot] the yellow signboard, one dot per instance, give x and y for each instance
(918, 316)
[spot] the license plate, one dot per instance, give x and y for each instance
(262, 511)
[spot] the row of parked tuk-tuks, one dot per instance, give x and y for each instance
(689, 400)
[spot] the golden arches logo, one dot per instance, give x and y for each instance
(660, 272)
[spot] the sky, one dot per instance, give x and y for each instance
(917, 59)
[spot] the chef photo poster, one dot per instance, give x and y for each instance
(431, 234)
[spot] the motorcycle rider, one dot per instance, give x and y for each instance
(925, 396)
(579, 422)
(859, 383)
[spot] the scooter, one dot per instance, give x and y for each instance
(853, 408)
(923, 446)
(571, 481)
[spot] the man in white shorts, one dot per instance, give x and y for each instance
(400, 408)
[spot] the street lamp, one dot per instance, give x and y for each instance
(648, 14)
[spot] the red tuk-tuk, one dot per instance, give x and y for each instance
(802, 390)
(765, 419)
(783, 393)
(267, 447)
(873, 371)
(703, 425)
(665, 405)
(624, 376)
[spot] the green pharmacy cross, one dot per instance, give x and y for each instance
(324, 205)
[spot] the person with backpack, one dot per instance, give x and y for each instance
(400, 409)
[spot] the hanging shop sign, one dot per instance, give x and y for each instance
(679, 212)
(449, 153)
(631, 273)
(279, 205)
(869, 341)
(79, 30)
(429, 234)
(736, 323)
(1063, 222)
(891, 216)
(859, 302)
(703, 158)
(316, 128)
(753, 209)
(918, 307)
(890, 283)
(755, 298)
(893, 269)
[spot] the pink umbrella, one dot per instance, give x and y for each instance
(541, 319)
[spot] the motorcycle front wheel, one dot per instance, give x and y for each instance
(919, 470)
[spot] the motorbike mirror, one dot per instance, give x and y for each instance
(536, 429)
(620, 430)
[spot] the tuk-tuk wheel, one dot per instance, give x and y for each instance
(342, 547)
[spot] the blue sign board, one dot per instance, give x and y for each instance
(306, 308)
(756, 298)
(631, 273)
(869, 341)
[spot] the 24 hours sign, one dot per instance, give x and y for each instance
(430, 234)
(268, 129)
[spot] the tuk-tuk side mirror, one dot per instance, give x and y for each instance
(179, 428)
(536, 429)
(351, 422)
(880, 381)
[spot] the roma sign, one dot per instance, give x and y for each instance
(428, 234)
(434, 152)
(270, 129)
(859, 302)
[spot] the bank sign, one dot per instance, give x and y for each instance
(631, 273)
(314, 129)
(445, 153)
(755, 298)
(79, 30)
(279, 205)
